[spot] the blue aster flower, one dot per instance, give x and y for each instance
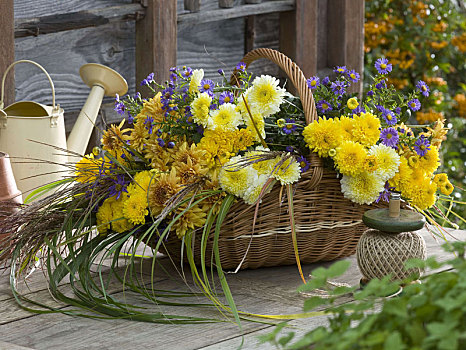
(207, 85)
(422, 145)
(324, 106)
(226, 97)
(423, 88)
(338, 87)
(149, 79)
(289, 126)
(325, 81)
(187, 72)
(382, 66)
(303, 163)
(241, 66)
(414, 105)
(389, 137)
(313, 82)
(353, 76)
(340, 69)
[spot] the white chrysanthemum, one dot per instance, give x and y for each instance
(254, 190)
(241, 106)
(388, 161)
(288, 173)
(363, 188)
(200, 108)
(198, 75)
(225, 117)
(265, 95)
(236, 182)
(263, 167)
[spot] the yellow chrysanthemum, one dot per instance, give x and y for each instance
(421, 193)
(264, 167)
(141, 182)
(119, 222)
(322, 135)
(363, 188)
(366, 129)
(225, 117)
(346, 126)
(193, 218)
(430, 161)
(350, 158)
(243, 139)
(200, 108)
(87, 169)
(114, 137)
(258, 122)
(352, 103)
(196, 77)
(403, 177)
(218, 147)
(241, 106)
(370, 164)
(446, 188)
(289, 172)
(135, 208)
(139, 135)
(236, 182)
(105, 215)
(189, 172)
(192, 152)
(388, 161)
(265, 95)
(161, 190)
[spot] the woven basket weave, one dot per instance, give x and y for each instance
(328, 226)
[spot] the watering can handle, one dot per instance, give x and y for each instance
(37, 65)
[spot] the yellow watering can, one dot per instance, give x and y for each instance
(33, 133)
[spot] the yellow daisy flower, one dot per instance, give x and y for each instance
(196, 77)
(266, 95)
(200, 108)
(370, 164)
(243, 139)
(366, 129)
(322, 135)
(87, 169)
(225, 117)
(350, 158)
(161, 190)
(441, 179)
(352, 103)
(421, 193)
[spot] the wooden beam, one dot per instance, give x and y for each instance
(7, 47)
(249, 33)
(156, 41)
(77, 20)
(345, 35)
(298, 35)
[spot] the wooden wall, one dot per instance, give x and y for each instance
(320, 34)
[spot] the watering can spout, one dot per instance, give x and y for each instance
(103, 81)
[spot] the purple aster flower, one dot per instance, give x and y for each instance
(170, 144)
(149, 124)
(340, 69)
(241, 66)
(325, 81)
(161, 142)
(381, 85)
(423, 88)
(324, 106)
(389, 117)
(289, 149)
(213, 106)
(118, 187)
(382, 66)
(173, 69)
(120, 107)
(221, 72)
(130, 118)
(389, 137)
(226, 97)
(200, 130)
(303, 163)
(385, 194)
(401, 131)
(159, 132)
(207, 85)
(422, 145)
(187, 72)
(173, 76)
(353, 76)
(289, 126)
(148, 80)
(414, 105)
(370, 93)
(358, 110)
(338, 87)
(398, 110)
(313, 82)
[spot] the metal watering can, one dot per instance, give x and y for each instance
(33, 133)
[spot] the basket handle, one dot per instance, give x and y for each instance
(293, 72)
(296, 75)
(37, 65)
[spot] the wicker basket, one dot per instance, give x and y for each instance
(328, 226)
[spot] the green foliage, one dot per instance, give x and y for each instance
(431, 315)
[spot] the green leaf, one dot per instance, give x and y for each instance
(313, 302)
(394, 341)
(337, 269)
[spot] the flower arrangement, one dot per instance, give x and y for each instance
(196, 146)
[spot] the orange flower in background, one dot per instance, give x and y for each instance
(434, 81)
(428, 117)
(460, 100)
(398, 83)
(460, 42)
(440, 27)
(438, 45)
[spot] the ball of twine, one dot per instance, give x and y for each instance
(380, 253)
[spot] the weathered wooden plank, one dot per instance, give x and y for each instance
(7, 47)
(345, 32)
(298, 35)
(10, 346)
(23, 8)
(156, 38)
(62, 54)
(77, 20)
(236, 12)
(267, 35)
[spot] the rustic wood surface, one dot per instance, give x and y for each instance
(266, 291)
(7, 47)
